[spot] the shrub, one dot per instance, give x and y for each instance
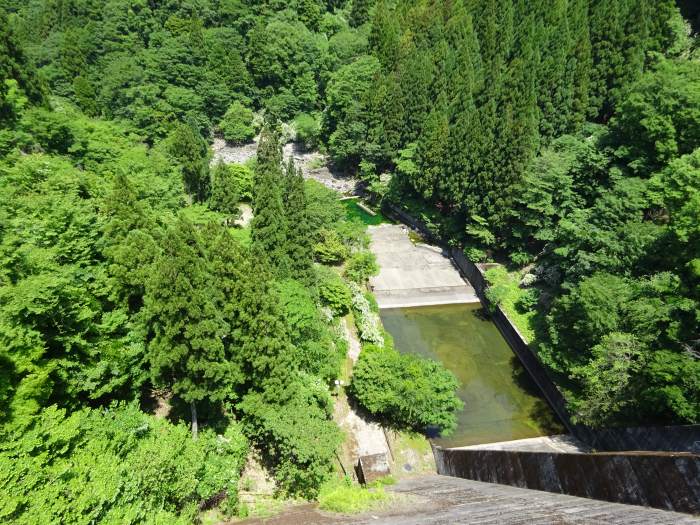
(368, 323)
(528, 300)
(475, 254)
(409, 391)
(333, 291)
(361, 266)
(307, 129)
(237, 124)
(353, 232)
(330, 250)
(521, 258)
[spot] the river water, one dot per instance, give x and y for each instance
(501, 402)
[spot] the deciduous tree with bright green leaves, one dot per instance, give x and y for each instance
(237, 124)
(406, 390)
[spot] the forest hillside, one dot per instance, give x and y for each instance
(144, 329)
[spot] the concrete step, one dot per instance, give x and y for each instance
(429, 296)
(557, 443)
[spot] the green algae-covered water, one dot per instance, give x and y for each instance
(500, 400)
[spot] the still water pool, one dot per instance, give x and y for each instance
(500, 400)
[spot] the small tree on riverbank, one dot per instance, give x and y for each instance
(406, 390)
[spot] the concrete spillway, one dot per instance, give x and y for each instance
(414, 274)
(462, 501)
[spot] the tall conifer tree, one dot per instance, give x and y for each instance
(257, 343)
(189, 148)
(359, 12)
(465, 146)
(299, 233)
(579, 62)
(185, 325)
(554, 93)
(268, 226)
(385, 35)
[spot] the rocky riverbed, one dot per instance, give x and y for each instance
(314, 165)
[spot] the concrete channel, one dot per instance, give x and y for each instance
(414, 274)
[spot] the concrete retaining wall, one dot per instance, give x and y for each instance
(668, 481)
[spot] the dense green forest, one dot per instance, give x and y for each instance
(561, 137)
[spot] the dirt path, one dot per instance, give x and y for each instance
(364, 436)
(353, 344)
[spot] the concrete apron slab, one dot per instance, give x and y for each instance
(414, 274)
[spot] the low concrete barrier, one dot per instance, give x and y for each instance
(669, 481)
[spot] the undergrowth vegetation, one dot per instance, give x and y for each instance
(345, 497)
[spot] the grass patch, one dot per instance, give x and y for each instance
(316, 163)
(344, 497)
(505, 291)
(415, 237)
(353, 211)
(407, 440)
(263, 507)
(200, 215)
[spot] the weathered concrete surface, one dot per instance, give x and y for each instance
(371, 468)
(664, 480)
(441, 500)
(414, 274)
(558, 443)
(463, 501)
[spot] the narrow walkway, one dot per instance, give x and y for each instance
(414, 274)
